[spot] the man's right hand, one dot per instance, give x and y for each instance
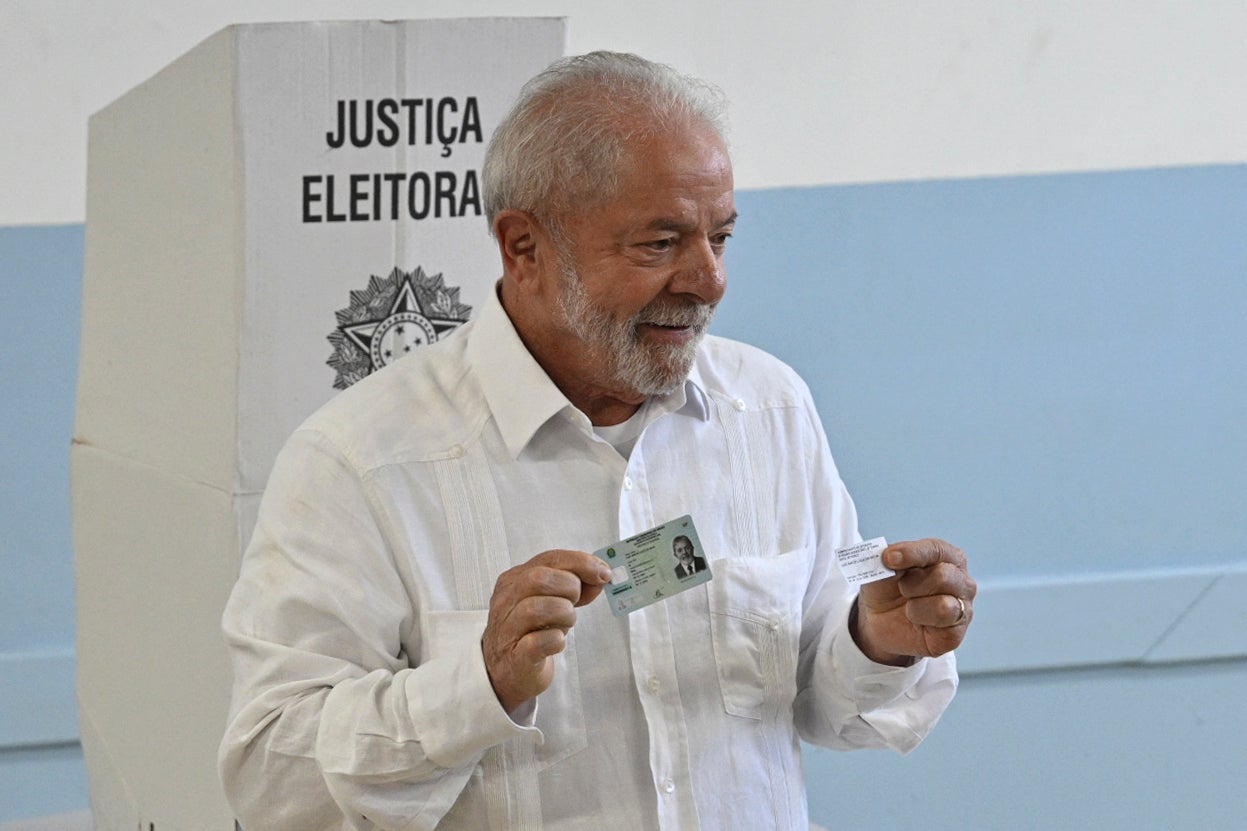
(530, 613)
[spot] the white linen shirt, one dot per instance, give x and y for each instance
(361, 698)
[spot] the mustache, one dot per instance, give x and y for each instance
(695, 316)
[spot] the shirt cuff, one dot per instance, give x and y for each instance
(902, 704)
(452, 702)
(871, 685)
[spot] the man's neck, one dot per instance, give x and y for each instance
(607, 411)
(604, 407)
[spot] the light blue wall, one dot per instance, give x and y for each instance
(1049, 370)
(1052, 372)
(41, 767)
(1106, 748)
(40, 308)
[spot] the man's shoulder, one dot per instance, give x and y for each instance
(417, 407)
(735, 370)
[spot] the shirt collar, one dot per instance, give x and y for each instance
(690, 398)
(694, 399)
(522, 397)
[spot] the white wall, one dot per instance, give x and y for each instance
(823, 92)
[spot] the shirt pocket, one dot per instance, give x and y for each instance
(755, 624)
(560, 709)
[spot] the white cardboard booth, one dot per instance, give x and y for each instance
(276, 214)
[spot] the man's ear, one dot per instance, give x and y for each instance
(518, 235)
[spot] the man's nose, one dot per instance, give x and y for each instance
(701, 273)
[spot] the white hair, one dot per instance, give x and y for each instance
(560, 146)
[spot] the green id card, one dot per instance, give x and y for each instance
(654, 564)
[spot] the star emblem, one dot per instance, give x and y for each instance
(389, 319)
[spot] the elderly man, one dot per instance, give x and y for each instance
(687, 562)
(415, 635)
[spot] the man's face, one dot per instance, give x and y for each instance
(684, 551)
(645, 270)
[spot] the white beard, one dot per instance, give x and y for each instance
(645, 369)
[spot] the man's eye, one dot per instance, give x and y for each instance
(659, 244)
(719, 241)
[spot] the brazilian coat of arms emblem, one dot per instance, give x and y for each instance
(389, 319)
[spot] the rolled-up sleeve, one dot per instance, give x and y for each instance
(845, 700)
(852, 702)
(332, 724)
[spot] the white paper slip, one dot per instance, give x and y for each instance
(863, 563)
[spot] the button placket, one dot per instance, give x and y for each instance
(653, 667)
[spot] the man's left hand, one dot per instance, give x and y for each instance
(922, 611)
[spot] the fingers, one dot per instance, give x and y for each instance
(542, 612)
(590, 572)
(584, 565)
(934, 580)
(532, 609)
(922, 554)
(575, 576)
(941, 578)
(941, 611)
(536, 646)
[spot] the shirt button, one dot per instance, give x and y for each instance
(739, 404)
(627, 483)
(668, 786)
(653, 684)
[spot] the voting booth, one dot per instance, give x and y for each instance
(277, 214)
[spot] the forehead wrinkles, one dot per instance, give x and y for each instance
(673, 179)
(685, 149)
(684, 178)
